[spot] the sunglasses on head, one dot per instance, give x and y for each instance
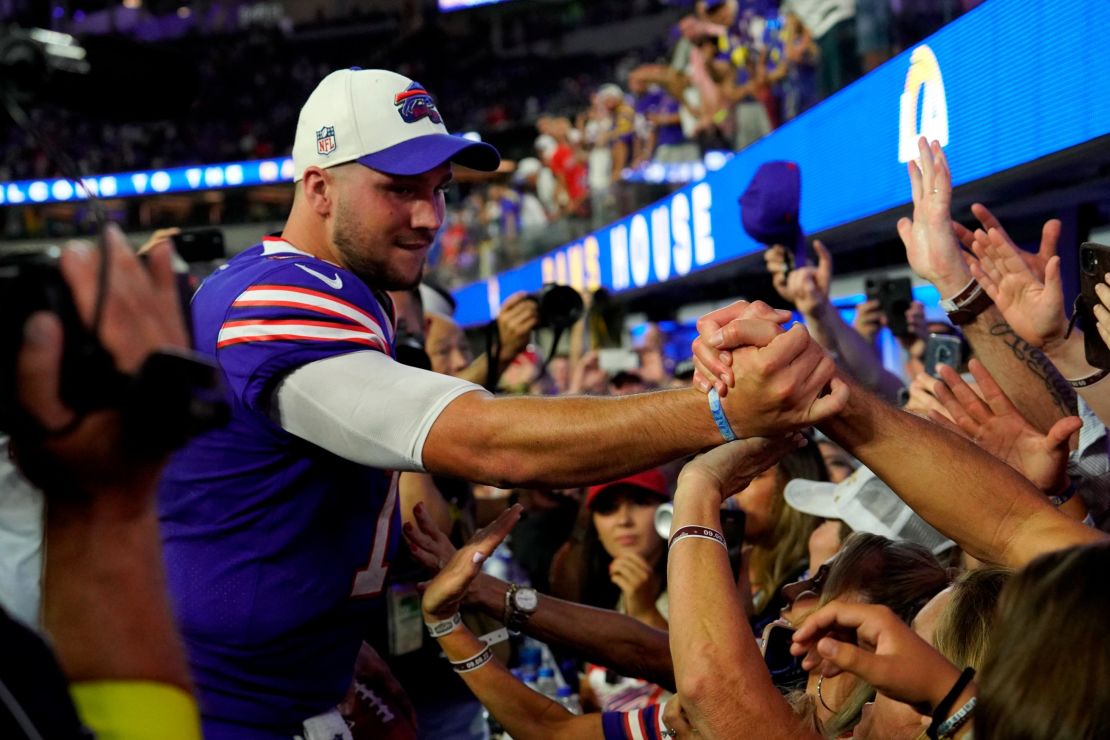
(814, 584)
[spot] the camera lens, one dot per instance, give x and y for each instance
(560, 306)
(944, 355)
(1088, 260)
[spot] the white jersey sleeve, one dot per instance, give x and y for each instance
(366, 407)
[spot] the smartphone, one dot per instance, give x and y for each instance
(943, 349)
(733, 522)
(200, 245)
(894, 296)
(1094, 263)
(786, 669)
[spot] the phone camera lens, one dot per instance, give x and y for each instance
(1089, 261)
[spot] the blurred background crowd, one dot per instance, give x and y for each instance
(601, 107)
(580, 115)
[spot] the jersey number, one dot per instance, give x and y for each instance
(369, 581)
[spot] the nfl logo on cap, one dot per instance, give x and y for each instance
(325, 140)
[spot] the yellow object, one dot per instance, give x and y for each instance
(136, 710)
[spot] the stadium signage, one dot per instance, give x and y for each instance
(994, 107)
(668, 240)
(924, 85)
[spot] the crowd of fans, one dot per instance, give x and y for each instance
(729, 73)
(885, 609)
(927, 566)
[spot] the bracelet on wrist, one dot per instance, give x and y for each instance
(964, 307)
(950, 726)
(474, 663)
(693, 531)
(1089, 380)
(944, 706)
(444, 626)
(1064, 496)
(719, 417)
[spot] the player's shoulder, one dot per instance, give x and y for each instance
(274, 279)
(276, 264)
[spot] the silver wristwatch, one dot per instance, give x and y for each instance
(520, 605)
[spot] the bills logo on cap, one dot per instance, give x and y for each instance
(325, 140)
(414, 103)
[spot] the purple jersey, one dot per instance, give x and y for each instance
(274, 546)
(668, 134)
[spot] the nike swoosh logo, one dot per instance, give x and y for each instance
(336, 282)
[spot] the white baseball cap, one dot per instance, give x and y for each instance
(545, 144)
(526, 168)
(865, 504)
(610, 90)
(383, 120)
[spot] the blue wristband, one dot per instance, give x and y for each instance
(719, 416)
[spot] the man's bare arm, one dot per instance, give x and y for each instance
(565, 441)
(1025, 374)
(934, 253)
(980, 502)
(560, 442)
(600, 636)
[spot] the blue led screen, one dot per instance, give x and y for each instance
(980, 85)
(446, 6)
(151, 182)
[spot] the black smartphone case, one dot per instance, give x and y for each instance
(895, 296)
(1094, 263)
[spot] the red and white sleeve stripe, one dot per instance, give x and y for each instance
(365, 330)
(270, 330)
(646, 723)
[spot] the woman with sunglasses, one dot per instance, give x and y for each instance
(724, 689)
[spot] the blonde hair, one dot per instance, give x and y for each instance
(900, 575)
(774, 565)
(1046, 674)
(965, 624)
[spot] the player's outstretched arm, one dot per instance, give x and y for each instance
(779, 383)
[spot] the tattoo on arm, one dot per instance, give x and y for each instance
(1061, 392)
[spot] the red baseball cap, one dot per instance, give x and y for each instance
(652, 481)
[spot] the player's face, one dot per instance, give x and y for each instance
(384, 225)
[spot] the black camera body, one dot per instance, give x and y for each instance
(200, 245)
(560, 306)
(174, 395)
(31, 282)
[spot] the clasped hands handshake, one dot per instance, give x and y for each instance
(772, 381)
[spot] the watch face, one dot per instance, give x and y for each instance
(526, 599)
